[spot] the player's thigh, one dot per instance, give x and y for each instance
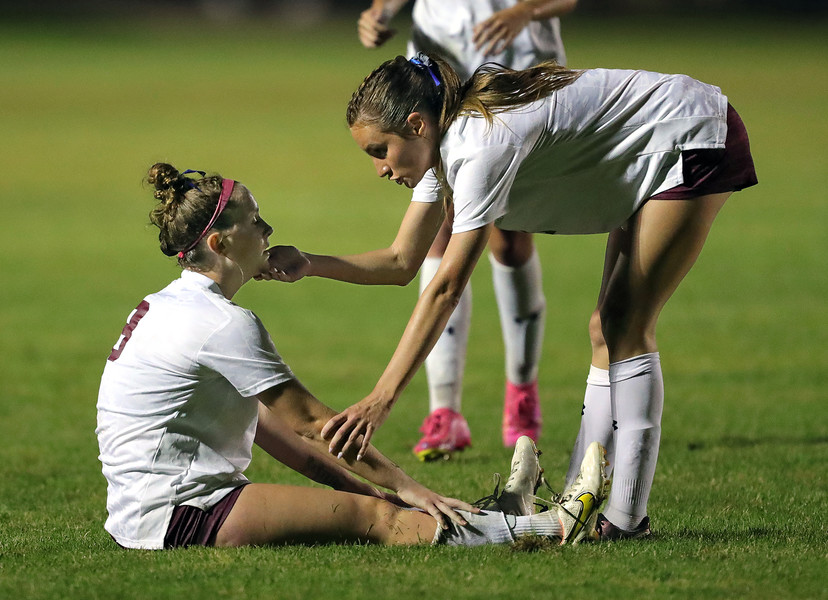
(666, 238)
(511, 248)
(272, 514)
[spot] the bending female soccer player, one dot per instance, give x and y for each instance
(194, 380)
(516, 34)
(648, 157)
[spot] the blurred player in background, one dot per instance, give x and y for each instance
(467, 33)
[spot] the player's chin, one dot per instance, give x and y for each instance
(264, 267)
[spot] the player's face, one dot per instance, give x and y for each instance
(247, 241)
(402, 159)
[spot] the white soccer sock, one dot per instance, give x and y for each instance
(447, 360)
(637, 401)
(522, 307)
(486, 527)
(596, 422)
(546, 524)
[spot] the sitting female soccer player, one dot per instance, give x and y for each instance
(648, 157)
(194, 380)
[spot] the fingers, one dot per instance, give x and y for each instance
(332, 425)
(438, 515)
(366, 440)
(372, 30)
(455, 503)
(345, 434)
(443, 510)
(278, 275)
(493, 39)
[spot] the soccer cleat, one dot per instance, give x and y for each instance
(607, 532)
(521, 412)
(444, 432)
(578, 506)
(518, 494)
(517, 497)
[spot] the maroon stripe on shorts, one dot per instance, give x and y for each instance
(192, 526)
(715, 171)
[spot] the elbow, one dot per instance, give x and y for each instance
(311, 429)
(406, 276)
(406, 270)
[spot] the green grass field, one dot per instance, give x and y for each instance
(740, 491)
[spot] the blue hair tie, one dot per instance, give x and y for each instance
(424, 62)
(190, 182)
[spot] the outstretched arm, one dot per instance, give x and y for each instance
(373, 23)
(289, 429)
(394, 265)
(354, 427)
(494, 35)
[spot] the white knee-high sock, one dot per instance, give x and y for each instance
(491, 527)
(522, 307)
(596, 421)
(637, 401)
(447, 360)
(546, 524)
(486, 527)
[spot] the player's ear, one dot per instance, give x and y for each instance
(215, 241)
(417, 124)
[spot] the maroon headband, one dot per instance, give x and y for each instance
(226, 190)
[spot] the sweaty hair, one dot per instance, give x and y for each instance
(185, 206)
(397, 88)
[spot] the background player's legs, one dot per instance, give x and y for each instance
(444, 429)
(518, 286)
(447, 360)
(276, 514)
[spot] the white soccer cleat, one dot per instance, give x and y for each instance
(518, 494)
(578, 506)
(525, 477)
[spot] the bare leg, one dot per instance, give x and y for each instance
(277, 514)
(596, 411)
(665, 239)
(511, 248)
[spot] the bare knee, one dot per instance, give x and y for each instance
(625, 332)
(600, 358)
(511, 248)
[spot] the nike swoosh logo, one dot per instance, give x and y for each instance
(587, 501)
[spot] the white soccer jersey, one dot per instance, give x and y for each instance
(582, 160)
(446, 27)
(176, 406)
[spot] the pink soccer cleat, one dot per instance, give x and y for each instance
(521, 412)
(444, 432)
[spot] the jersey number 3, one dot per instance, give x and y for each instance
(136, 316)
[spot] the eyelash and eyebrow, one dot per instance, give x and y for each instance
(376, 151)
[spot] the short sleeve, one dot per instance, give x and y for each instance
(481, 184)
(428, 190)
(243, 353)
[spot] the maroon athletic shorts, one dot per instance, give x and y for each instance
(715, 171)
(191, 526)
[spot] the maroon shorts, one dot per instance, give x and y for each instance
(715, 171)
(191, 526)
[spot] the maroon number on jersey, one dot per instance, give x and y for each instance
(137, 315)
